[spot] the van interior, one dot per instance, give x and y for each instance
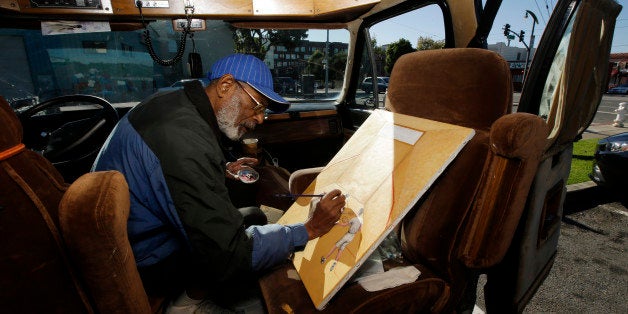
(72, 68)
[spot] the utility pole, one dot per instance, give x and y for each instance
(511, 35)
(327, 64)
(525, 69)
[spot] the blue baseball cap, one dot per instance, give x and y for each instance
(253, 71)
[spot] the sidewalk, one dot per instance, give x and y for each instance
(596, 130)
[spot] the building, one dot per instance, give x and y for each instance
(618, 69)
(516, 57)
(292, 63)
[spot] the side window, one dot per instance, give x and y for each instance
(114, 65)
(568, 72)
(364, 95)
(556, 69)
(391, 39)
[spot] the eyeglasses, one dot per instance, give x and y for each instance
(259, 108)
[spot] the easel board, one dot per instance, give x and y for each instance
(384, 168)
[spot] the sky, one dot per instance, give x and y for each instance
(412, 25)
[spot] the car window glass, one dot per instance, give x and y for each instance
(554, 74)
(117, 66)
(390, 39)
(307, 64)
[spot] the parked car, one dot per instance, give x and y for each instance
(179, 84)
(382, 84)
(610, 168)
(621, 89)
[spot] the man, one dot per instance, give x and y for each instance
(183, 227)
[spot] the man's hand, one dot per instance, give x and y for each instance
(235, 166)
(326, 213)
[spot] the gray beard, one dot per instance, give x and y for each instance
(227, 116)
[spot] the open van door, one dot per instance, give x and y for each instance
(564, 86)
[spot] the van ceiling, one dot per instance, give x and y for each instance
(230, 10)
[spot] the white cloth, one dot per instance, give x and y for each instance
(389, 279)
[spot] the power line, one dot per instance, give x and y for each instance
(540, 11)
(547, 8)
(434, 36)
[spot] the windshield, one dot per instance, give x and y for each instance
(307, 65)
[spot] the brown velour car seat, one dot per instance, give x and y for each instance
(466, 221)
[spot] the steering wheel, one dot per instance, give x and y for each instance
(69, 130)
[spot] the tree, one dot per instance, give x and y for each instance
(396, 50)
(251, 41)
(315, 64)
(287, 38)
(379, 56)
(426, 43)
(257, 41)
(337, 66)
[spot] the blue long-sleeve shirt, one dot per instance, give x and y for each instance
(169, 150)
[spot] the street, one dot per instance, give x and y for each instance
(590, 273)
(604, 115)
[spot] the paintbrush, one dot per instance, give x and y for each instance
(299, 195)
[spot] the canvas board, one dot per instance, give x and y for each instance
(384, 168)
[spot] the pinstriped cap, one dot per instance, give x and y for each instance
(250, 69)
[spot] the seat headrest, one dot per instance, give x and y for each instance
(10, 127)
(470, 87)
